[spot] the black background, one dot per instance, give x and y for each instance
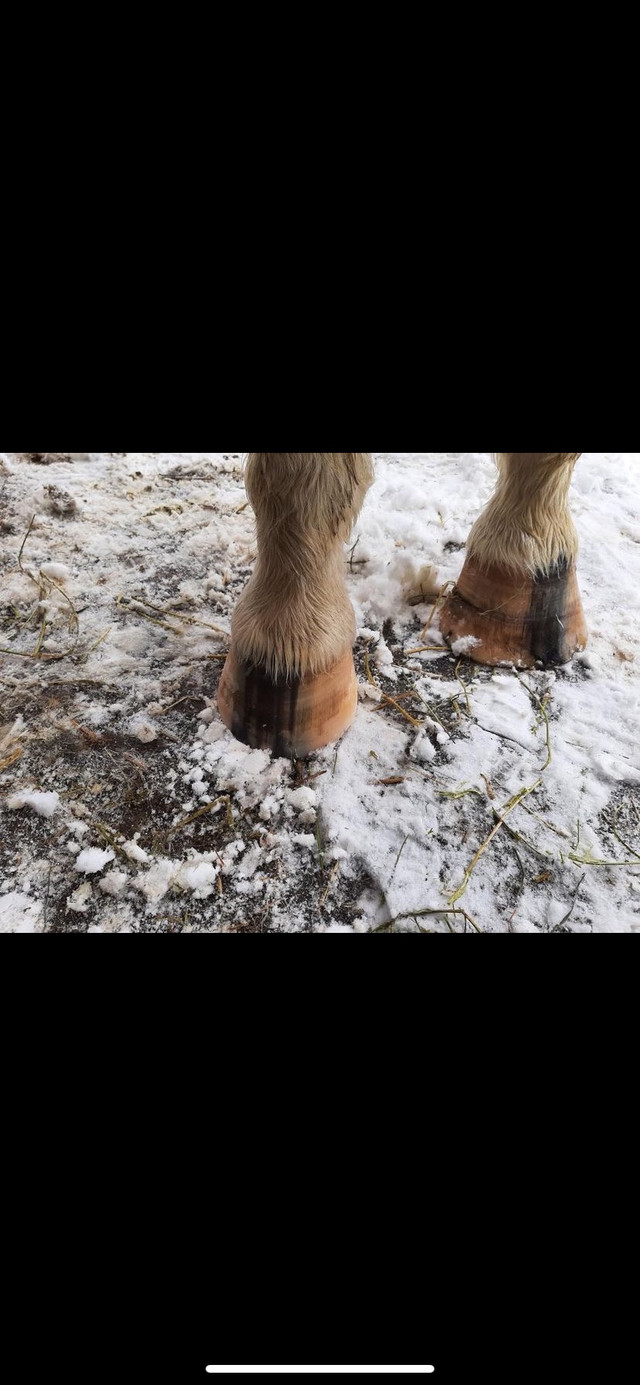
(233, 1159)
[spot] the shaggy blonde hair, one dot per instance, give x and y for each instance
(295, 617)
(527, 525)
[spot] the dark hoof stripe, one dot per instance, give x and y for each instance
(287, 717)
(517, 619)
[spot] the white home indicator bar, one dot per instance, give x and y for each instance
(320, 1370)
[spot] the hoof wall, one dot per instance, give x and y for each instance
(288, 718)
(517, 619)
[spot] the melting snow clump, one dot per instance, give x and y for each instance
(93, 860)
(44, 804)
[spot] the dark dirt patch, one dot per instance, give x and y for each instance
(119, 787)
(620, 823)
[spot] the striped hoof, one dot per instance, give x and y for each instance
(516, 618)
(288, 718)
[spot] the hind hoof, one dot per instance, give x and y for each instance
(290, 718)
(516, 618)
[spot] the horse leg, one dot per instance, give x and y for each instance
(289, 683)
(518, 594)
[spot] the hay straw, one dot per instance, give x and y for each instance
(440, 599)
(428, 649)
(391, 702)
(588, 860)
(179, 615)
(534, 696)
(490, 789)
(432, 713)
(398, 857)
(202, 812)
(508, 808)
(427, 913)
(105, 635)
(613, 828)
(190, 697)
(330, 883)
(388, 701)
(45, 586)
(463, 686)
(551, 827)
(110, 839)
(566, 918)
(11, 759)
(460, 793)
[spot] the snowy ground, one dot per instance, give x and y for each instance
(125, 806)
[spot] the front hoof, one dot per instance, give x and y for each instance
(521, 619)
(288, 717)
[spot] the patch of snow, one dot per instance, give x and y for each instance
(57, 571)
(230, 855)
(18, 913)
(556, 913)
(423, 749)
(301, 799)
(78, 828)
(93, 860)
(384, 660)
(79, 901)
(114, 883)
(367, 691)
(465, 644)
(157, 881)
(136, 853)
(143, 729)
(199, 877)
(197, 874)
(44, 804)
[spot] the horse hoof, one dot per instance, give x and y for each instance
(289, 718)
(516, 618)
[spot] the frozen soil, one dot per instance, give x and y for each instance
(126, 806)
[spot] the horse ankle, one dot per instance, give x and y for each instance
(527, 525)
